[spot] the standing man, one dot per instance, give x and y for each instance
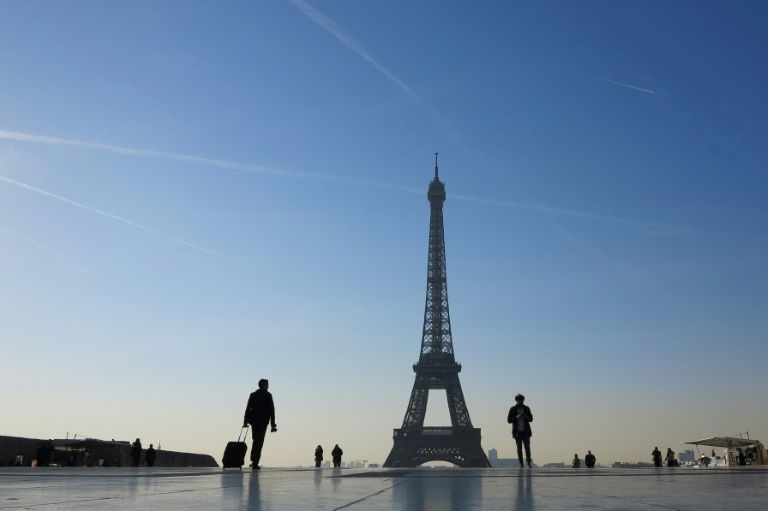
(656, 456)
(589, 459)
(150, 456)
(259, 412)
(670, 457)
(136, 453)
(520, 417)
(336, 454)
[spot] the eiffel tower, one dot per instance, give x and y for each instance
(437, 368)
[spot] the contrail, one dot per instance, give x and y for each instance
(621, 84)
(295, 174)
(354, 45)
(121, 219)
(567, 212)
(52, 251)
(594, 253)
(32, 138)
(350, 42)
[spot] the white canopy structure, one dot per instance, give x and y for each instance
(728, 442)
(732, 444)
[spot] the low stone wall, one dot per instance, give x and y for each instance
(116, 454)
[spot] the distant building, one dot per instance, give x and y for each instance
(325, 464)
(686, 455)
(554, 465)
(493, 457)
(374, 465)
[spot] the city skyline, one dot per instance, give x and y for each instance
(197, 195)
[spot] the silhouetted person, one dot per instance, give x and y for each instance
(318, 456)
(150, 455)
(656, 455)
(259, 412)
(740, 458)
(44, 453)
(589, 459)
(336, 454)
(520, 417)
(576, 463)
(670, 457)
(136, 453)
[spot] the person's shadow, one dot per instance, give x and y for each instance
(254, 494)
(524, 499)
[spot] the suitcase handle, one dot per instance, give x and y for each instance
(241, 433)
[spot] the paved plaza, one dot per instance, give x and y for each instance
(408, 490)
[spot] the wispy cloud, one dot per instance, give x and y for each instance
(620, 84)
(121, 219)
(595, 253)
(49, 250)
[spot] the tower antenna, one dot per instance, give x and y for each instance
(436, 167)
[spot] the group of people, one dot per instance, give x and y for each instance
(260, 413)
(336, 455)
(589, 460)
(669, 459)
(149, 456)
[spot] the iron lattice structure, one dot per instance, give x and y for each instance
(437, 368)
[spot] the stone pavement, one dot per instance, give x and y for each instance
(119, 489)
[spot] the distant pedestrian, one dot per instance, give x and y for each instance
(318, 456)
(150, 456)
(520, 417)
(136, 453)
(670, 457)
(44, 453)
(336, 454)
(656, 455)
(259, 412)
(589, 459)
(576, 463)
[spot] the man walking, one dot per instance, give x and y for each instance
(259, 412)
(520, 417)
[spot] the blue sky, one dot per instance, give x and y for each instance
(605, 220)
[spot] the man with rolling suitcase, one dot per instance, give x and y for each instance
(259, 412)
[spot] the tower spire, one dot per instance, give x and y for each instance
(436, 167)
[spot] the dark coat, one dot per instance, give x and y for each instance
(150, 455)
(589, 460)
(136, 449)
(528, 418)
(337, 453)
(260, 409)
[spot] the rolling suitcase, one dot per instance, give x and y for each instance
(234, 453)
